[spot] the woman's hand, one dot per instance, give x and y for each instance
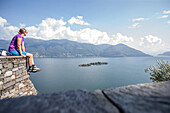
(23, 56)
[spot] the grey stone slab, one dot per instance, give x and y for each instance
(0, 88)
(21, 85)
(23, 61)
(10, 65)
(8, 73)
(6, 57)
(21, 67)
(141, 98)
(8, 84)
(25, 77)
(5, 95)
(12, 90)
(3, 70)
(0, 66)
(1, 76)
(1, 83)
(18, 79)
(3, 61)
(7, 79)
(105, 102)
(5, 65)
(18, 72)
(15, 69)
(77, 101)
(18, 76)
(15, 65)
(23, 73)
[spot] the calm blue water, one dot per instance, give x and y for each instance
(60, 74)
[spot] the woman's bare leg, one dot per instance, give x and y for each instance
(30, 60)
(32, 67)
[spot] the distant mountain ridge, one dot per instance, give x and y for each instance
(165, 54)
(67, 48)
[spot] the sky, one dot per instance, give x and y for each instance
(140, 24)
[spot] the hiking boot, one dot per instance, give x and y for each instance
(29, 70)
(35, 68)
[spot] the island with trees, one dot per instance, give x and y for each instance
(93, 63)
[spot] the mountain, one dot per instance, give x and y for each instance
(165, 54)
(67, 48)
(4, 44)
(121, 50)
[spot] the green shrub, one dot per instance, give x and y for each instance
(159, 73)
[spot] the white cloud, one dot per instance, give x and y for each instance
(22, 25)
(164, 16)
(151, 44)
(51, 28)
(8, 32)
(93, 36)
(138, 19)
(119, 38)
(134, 25)
(166, 12)
(168, 22)
(32, 31)
(56, 29)
(3, 22)
(141, 41)
(153, 39)
(80, 17)
(78, 20)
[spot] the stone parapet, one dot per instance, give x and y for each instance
(14, 79)
(141, 98)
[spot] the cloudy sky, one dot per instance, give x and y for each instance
(141, 24)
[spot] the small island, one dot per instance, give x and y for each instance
(93, 63)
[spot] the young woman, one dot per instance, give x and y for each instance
(17, 48)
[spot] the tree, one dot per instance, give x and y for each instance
(159, 73)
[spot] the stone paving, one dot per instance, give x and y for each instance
(141, 98)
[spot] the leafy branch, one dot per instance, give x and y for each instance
(159, 73)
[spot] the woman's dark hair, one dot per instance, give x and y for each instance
(22, 30)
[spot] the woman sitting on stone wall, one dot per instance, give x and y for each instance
(17, 48)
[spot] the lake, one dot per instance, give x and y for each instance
(60, 74)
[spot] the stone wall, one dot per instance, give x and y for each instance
(14, 79)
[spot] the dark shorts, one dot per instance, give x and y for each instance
(16, 53)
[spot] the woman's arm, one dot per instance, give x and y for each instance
(23, 47)
(19, 46)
